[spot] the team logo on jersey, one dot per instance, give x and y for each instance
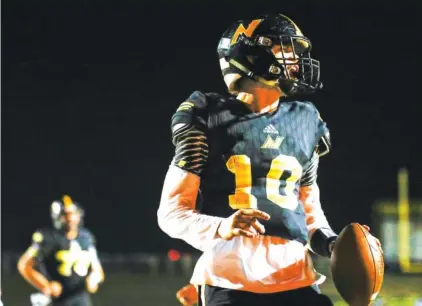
(270, 143)
(270, 129)
(73, 260)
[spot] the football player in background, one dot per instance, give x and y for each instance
(67, 257)
(254, 156)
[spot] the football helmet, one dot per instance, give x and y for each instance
(246, 49)
(62, 207)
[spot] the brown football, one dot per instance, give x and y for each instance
(357, 265)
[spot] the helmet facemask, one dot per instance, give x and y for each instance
(295, 70)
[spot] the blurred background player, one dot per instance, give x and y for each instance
(254, 156)
(62, 261)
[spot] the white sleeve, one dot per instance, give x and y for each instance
(177, 215)
(319, 229)
(93, 255)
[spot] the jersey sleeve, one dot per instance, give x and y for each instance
(310, 173)
(323, 146)
(92, 248)
(91, 240)
(41, 245)
(189, 134)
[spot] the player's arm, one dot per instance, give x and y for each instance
(96, 275)
(321, 235)
(97, 270)
(27, 262)
(177, 214)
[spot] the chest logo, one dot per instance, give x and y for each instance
(270, 129)
(270, 143)
(73, 260)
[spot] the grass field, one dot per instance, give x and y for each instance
(126, 289)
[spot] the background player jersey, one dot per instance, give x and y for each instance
(256, 160)
(63, 260)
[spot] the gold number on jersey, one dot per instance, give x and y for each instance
(280, 182)
(287, 170)
(240, 165)
(73, 259)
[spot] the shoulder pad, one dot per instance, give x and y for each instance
(310, 106)
(37, 237)
(189, 111)
(42, 236)
(195, 110)
(324, 144)
(87, 234)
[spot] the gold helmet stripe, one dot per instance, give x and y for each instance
(247, 32)
(67, 201)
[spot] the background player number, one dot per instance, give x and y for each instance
(280, 182)
(79, 261)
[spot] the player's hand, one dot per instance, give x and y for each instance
(367, 228)
(243, 222)
(54, 289)
(188, 295)
(92, 283)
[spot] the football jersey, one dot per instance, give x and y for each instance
(64, 260)
(256, 160)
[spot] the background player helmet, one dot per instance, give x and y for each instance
(62, 207)
(245, 50)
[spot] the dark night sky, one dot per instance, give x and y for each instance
(88, 92)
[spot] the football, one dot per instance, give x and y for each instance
(357, 265)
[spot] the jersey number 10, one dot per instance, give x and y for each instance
(280, 182)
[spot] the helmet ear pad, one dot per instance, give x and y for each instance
(231, 80)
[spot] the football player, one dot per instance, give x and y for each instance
(253, 154)
(67, 257)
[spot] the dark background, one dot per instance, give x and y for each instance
(88, 90)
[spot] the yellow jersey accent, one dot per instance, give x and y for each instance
(37, 237)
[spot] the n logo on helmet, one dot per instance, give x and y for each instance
(247, 32)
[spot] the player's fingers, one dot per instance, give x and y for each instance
(258, 226)
(366, 227)
(242, 224)
(246, 226)
(245, 219)
(255, 213)
(243, 232)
